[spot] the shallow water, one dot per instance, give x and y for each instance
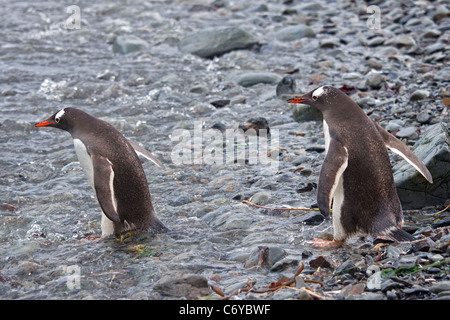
(48, 208)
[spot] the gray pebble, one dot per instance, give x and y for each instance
(260, 198)
(211, 42)
(251, 78)
(440, 287)
(128, 43)
(420, 95)
(408, 132)
(374, 79)
(292, 33)
(401, 41)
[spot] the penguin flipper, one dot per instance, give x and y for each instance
(144, 153)
(332, 169)
(398, 147)
(104, 186)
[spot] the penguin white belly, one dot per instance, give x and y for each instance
(338, 201)
(337, 191)
(86, 164)
(85, 160)
(326, 133)
(107, 226)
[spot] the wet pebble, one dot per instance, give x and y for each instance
(212, 42)
(190, 286)
(401, 41)
(264, 256)
(374, 79)
(420, 95)
(294, 33)
(251, 78)
(129, 43)
(407, 132)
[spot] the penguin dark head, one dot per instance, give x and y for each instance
(323, 98)
(63, 119)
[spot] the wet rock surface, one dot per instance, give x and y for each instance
(434, 150)
(176, 75)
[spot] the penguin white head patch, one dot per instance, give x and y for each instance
(317, 93)
(59, 115)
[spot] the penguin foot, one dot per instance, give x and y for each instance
(320, 243)
(93, 237)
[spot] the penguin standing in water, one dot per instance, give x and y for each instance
(356, 177)
(113, 169)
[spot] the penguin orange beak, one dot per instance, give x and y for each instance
(44, 123)
(299, 99)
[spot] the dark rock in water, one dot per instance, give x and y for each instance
(128, 43)
(286, 87)
(306, 188)
(264, 256)
(212, 42)
(256, 124)
(433, 148)
(220, 103)
(312, 218)
(219, 126)
(190, 286)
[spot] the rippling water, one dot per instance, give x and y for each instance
(48, 208)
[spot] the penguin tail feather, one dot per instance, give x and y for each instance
(400, 234)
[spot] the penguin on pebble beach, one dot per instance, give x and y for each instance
(356, 181)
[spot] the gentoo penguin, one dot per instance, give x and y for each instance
(356, 176)
(113, 169)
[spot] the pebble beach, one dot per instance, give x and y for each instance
(183, 78)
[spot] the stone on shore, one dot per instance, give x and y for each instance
(251, 78)
(433, 148)
(190, 286)
(292, 33)
(128, 43)
(212, 42)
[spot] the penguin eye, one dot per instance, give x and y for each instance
(57, 119)
(315, 98)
